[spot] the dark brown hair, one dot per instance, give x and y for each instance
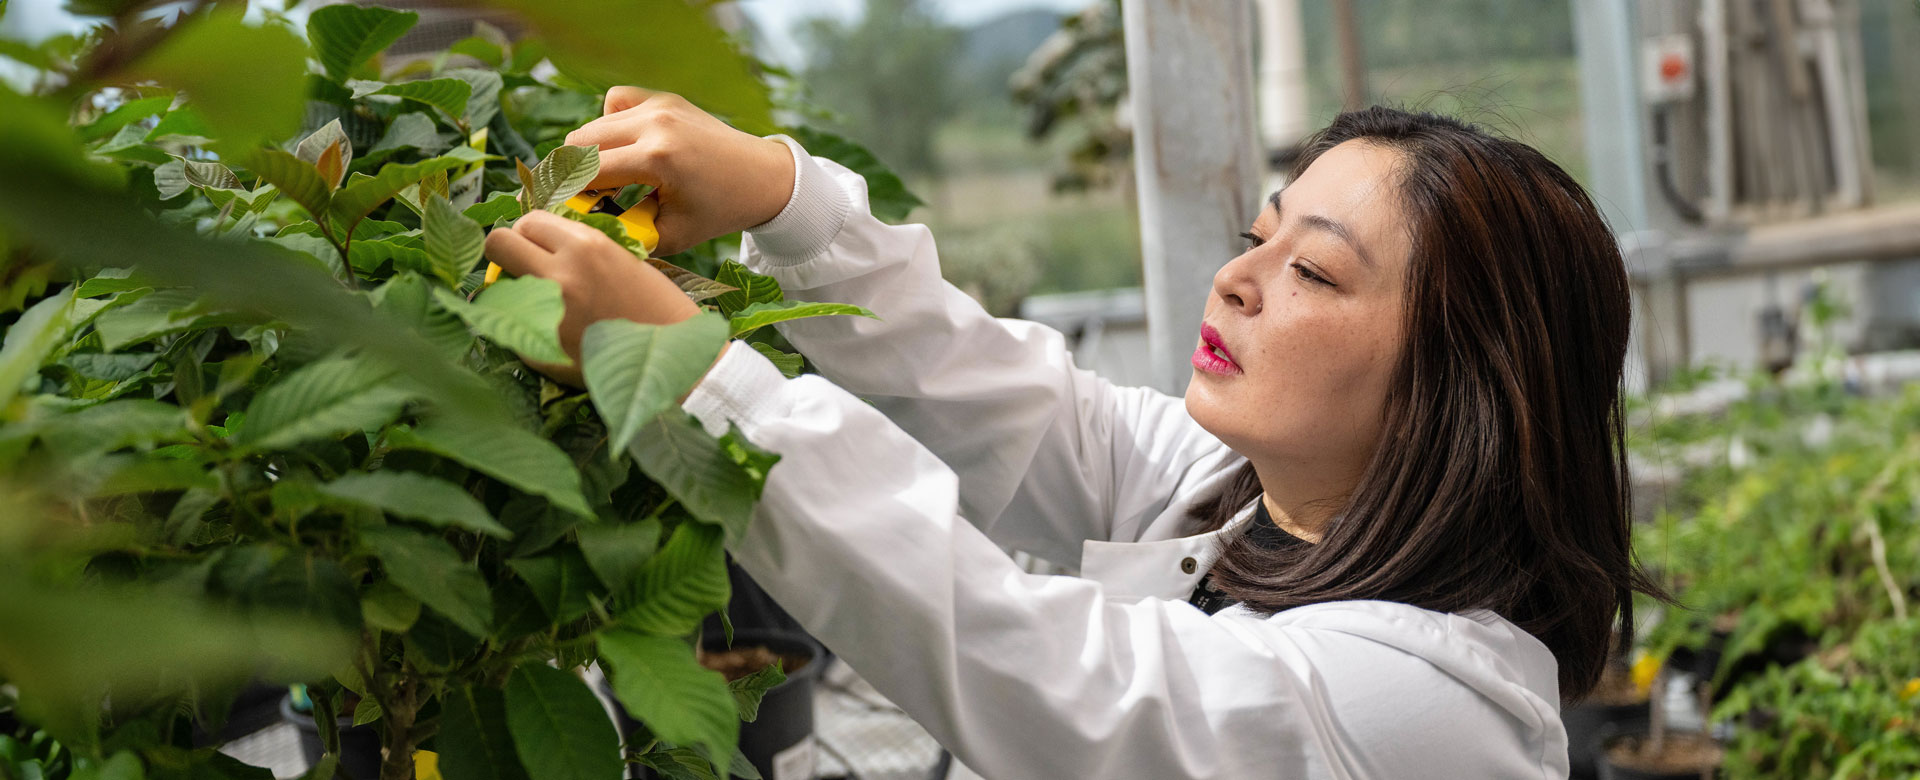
(1500, 478)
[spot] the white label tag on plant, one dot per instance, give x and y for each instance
(794, 763)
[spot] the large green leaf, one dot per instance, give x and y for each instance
(636, 371)
(326, 398)
(430, 570)
(661, 684)
(474, 743)
(369, 255)
(684, 53)
(30, 339)
(125, 114)
(561, 580)
(417, 497)
(485, 100)
(522, 314)
(154, 314)
(344, 36)
(887, 196)
(407, 299)
(697, 287)
(129, 422)
(454, 242)
(760, 315)
(559, 727)
(496, 207)
(295, 177)
(316, 145)
(362, 195)
(681, 584)
(411, 131)
(749, 288)
(506, 453)
(789, 364)
(563, 174)
(448, 95)
(696, 468)
(249, 82)
(616, 551)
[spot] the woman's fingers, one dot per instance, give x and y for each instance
(622, 98)
(518, 255)
(553, 232)
(643, 162)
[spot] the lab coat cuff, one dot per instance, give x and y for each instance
(739, 389)
(812, 217)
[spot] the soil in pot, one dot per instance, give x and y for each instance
(1685, 755)
(741, 662)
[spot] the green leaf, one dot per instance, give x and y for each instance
(675, 451)
(661, 684)
(497, 207)
(561, 580)
(682, 584)
(296, 178)
(636, 371)
(887, 196)
(429, 569)
(697, 287)
(474, 742)
(367, 711)
(485, 100)
(448, 95)
(362, 196)
(789, 364)
(522, 314)
(124, 115)
(559, 727)
(30, 339)
(345, 36)
(323, 399)
(750, 288)
(417, 497)
(411, 131)
(563, 174)
(616, 551)
(179, 174)
(685, 53)
(249, 82)
(388, 608)
(155, 314)
(506, 453)
(407, 299)
(454, 242)
(110, 426)
(435, 643)
(368, 256)
(748, 691)
(760, 315)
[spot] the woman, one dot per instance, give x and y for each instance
(1399, 461)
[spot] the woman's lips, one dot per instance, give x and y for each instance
(1212, 355)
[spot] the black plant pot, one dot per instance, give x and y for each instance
(1590, 724)
(1612, 771)
(779, 742)
(359, 745)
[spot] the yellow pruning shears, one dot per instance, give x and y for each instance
(638, 220)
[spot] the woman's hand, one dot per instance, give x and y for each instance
(713, 180)
(599, 280)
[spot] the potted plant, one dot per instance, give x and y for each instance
(1658, 752)
(259, 368)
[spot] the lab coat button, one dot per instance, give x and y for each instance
(1188, 565)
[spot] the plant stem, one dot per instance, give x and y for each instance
(399, 715)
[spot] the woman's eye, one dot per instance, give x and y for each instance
(1252, 240)
(1308, 274)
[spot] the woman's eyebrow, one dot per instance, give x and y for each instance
(1325, 224)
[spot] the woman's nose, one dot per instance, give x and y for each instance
(1235, 285)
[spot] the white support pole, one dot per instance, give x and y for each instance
(1195, 159)
(1283, 81)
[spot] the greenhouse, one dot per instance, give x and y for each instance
(959, 389)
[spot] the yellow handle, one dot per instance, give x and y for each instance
(638, 222)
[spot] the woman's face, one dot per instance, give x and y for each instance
(1310, 316)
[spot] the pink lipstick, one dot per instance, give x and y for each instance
(1212, 355)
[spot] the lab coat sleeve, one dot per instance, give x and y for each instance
(1022, 676)
(1047, 455)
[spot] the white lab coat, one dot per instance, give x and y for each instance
(881, 529)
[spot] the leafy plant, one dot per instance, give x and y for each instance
(272, 425)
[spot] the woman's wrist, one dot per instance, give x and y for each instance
(815, 211)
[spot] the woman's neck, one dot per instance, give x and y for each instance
(1302, 504)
